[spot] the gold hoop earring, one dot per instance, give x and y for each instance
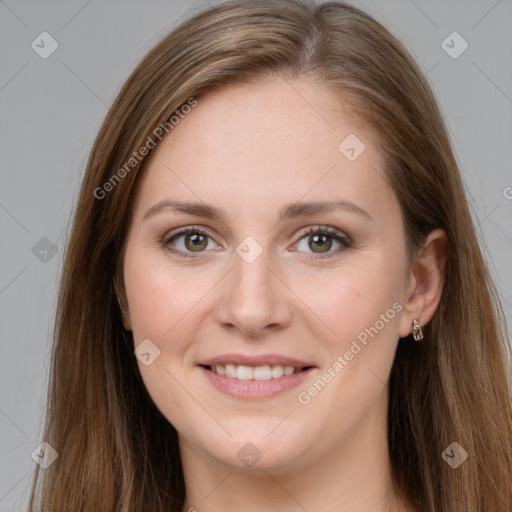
(417, 331)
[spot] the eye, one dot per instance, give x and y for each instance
(195, 240)
(320, 240)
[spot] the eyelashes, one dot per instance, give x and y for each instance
(316, 235)
(328, 233)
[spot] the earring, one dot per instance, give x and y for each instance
(417, 331)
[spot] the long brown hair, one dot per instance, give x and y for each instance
(116, 450)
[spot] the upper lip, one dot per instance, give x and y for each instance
(260, 360)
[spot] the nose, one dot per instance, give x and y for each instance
(255, 300)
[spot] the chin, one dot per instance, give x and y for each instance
(265, 446)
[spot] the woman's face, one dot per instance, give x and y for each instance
(255, 292)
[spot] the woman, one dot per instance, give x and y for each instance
(210, 354)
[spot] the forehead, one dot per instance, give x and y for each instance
(265, 144)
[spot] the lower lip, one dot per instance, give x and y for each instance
(254, 388)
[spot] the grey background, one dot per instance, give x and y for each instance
(51, 109)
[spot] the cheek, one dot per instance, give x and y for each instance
(161, 301)
(353, 298)
(360, 305)
(160, 296)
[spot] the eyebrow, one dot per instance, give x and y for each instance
(289, 211)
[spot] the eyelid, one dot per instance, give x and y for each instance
(330, 230)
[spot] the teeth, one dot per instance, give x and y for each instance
(265, 372)
(262, 372)
(230, 370)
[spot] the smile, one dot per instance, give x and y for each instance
(264, 372)
(254, 382)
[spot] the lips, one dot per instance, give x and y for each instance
(262, 367)
(255, 376)
(254, 361)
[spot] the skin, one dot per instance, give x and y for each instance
(250, 150)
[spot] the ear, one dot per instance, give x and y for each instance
(122, 300)
(425, 282)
